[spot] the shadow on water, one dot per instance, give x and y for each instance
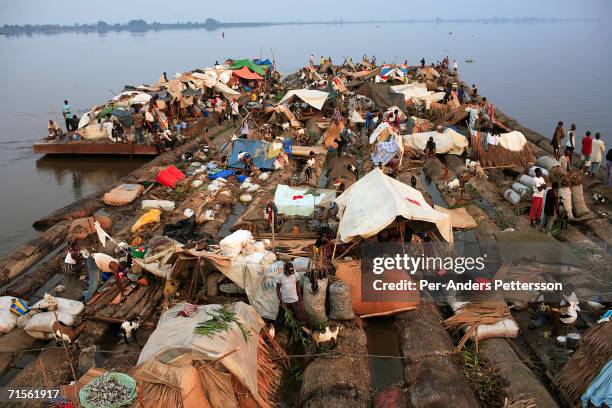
(383, 341)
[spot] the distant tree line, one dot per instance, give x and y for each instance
(137, 26)
(140, 26)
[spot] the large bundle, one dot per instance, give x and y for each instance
(511, 149)
(177, 341)
(579, 206)
(123, 194)
(350, 273)
(340, 381)
(81, 228)
(594, 352)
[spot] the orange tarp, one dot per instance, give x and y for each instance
(246, 73)
(350, 273)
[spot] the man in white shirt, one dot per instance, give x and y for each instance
(538, 187)
(455, 66)
(96, 264)
(311, 60)
(289, 295)
(598, 147)
(235, 111)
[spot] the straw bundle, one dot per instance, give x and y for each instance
(594, 352)
(497, 156)
(473, 315)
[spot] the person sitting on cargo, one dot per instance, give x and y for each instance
(74, 123)
(247, 161)
(430, 148)
(55, 131)
(290, 296)
(97, 264)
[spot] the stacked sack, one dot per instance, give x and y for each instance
(45, 312)
(10, 310)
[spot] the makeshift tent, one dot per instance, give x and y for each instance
(383, 96)
(508, 149)
(245, 73)
(313, 97)
(258, 151)
(175, 337)
(383, 199)
(460, 218)
(447, 142)
(382, 133)
(281, 113)
(259, 69)
(300, 200)
(418, 93)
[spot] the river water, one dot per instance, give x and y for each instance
(539, 73)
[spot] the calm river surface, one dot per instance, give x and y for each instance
(538, 73)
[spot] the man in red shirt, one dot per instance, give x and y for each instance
(587, 149)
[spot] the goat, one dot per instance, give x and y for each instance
(66, 334)
(471, 164)
(599, 198)
(453, 185)
(129, 329)
(480, 173)
(413, 181)
(353, 169)
(330, 333)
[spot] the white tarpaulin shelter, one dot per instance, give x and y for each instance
(355, 117)
(313, 97)
(449, 141)
(411, 90)
(418, 93)
(374, 201)
(295, 201)
(174, 337)
(383, 132)
(514, 141)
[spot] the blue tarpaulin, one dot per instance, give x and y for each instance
(263, 62)
(256, 148)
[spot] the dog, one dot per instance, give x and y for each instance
(330, 333)
(453, 185)
(509, 173)
(129, 329)
(353, 169)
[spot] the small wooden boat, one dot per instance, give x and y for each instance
(80, 147)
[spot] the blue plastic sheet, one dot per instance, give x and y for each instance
(223, 173)
(256, 148)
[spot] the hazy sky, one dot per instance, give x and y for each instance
(72, 11)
